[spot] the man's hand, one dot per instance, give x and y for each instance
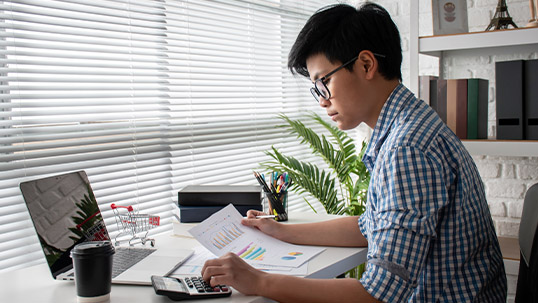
(235, 272)
(267, 225)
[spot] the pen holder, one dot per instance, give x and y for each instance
(276, 204)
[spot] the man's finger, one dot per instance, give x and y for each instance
(210, 262)
(251, 222)
(252, 213)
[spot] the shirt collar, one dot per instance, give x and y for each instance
(392, 107)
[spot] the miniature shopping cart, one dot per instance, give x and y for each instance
(134, 224)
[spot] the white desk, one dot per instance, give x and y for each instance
(35, 284)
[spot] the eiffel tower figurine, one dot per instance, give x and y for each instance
(501, 19)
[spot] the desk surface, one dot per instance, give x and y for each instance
(35, 284)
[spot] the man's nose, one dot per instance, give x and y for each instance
(324, 102)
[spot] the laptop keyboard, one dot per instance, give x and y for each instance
(126, 257)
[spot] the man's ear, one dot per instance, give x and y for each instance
(367, 63)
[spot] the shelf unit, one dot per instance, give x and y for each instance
(491, 42)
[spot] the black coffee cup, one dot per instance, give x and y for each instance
(93, 270)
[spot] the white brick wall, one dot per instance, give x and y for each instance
(506, 178)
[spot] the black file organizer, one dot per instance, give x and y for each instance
(198, 202)
(509, 99)
(531, 99)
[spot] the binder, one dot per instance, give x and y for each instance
(451, 103)
(477, 108)
(456, 104)
(509, 99)
(424, 89)
(193, 214)
(461, 108)
(220, 195)
(433, 94)
(531, 99)
(441, 99)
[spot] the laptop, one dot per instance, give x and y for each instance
(65, 213)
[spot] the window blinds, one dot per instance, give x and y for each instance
(146, 96)
(234, 73)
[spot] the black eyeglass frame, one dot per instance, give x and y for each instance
(317, 92)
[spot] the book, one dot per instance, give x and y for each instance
(441, 99)
(433, 94)
(456, 106)
(424, 89)
(451, 103)
(477, 108)
(461, 108)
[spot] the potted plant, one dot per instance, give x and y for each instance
(341, 188)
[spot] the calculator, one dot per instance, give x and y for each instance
(188, 288)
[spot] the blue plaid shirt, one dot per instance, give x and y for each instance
(430, 234)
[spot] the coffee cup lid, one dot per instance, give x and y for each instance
(93, 248)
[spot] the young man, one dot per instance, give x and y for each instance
(427, 225)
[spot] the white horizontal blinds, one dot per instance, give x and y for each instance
(146, 96)
(83, 87)
(228, 82)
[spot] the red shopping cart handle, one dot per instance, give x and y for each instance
(129, 208)
(84, 222)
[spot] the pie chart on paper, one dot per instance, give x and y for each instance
(292, 255)
(288, 258)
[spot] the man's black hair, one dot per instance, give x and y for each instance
(341, 32)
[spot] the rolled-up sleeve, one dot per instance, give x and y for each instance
(405, 196)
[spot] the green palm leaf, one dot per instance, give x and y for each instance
(341, 160)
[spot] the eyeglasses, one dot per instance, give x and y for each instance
(320, 88)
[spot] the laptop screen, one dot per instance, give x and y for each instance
(64, 212)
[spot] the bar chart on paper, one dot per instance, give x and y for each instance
(226, 235)
(252, 252)
(223, 232)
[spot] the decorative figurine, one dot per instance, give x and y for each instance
(501, 19)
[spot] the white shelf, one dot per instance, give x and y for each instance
(498, 42)
(512, 148)
(435, 45)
